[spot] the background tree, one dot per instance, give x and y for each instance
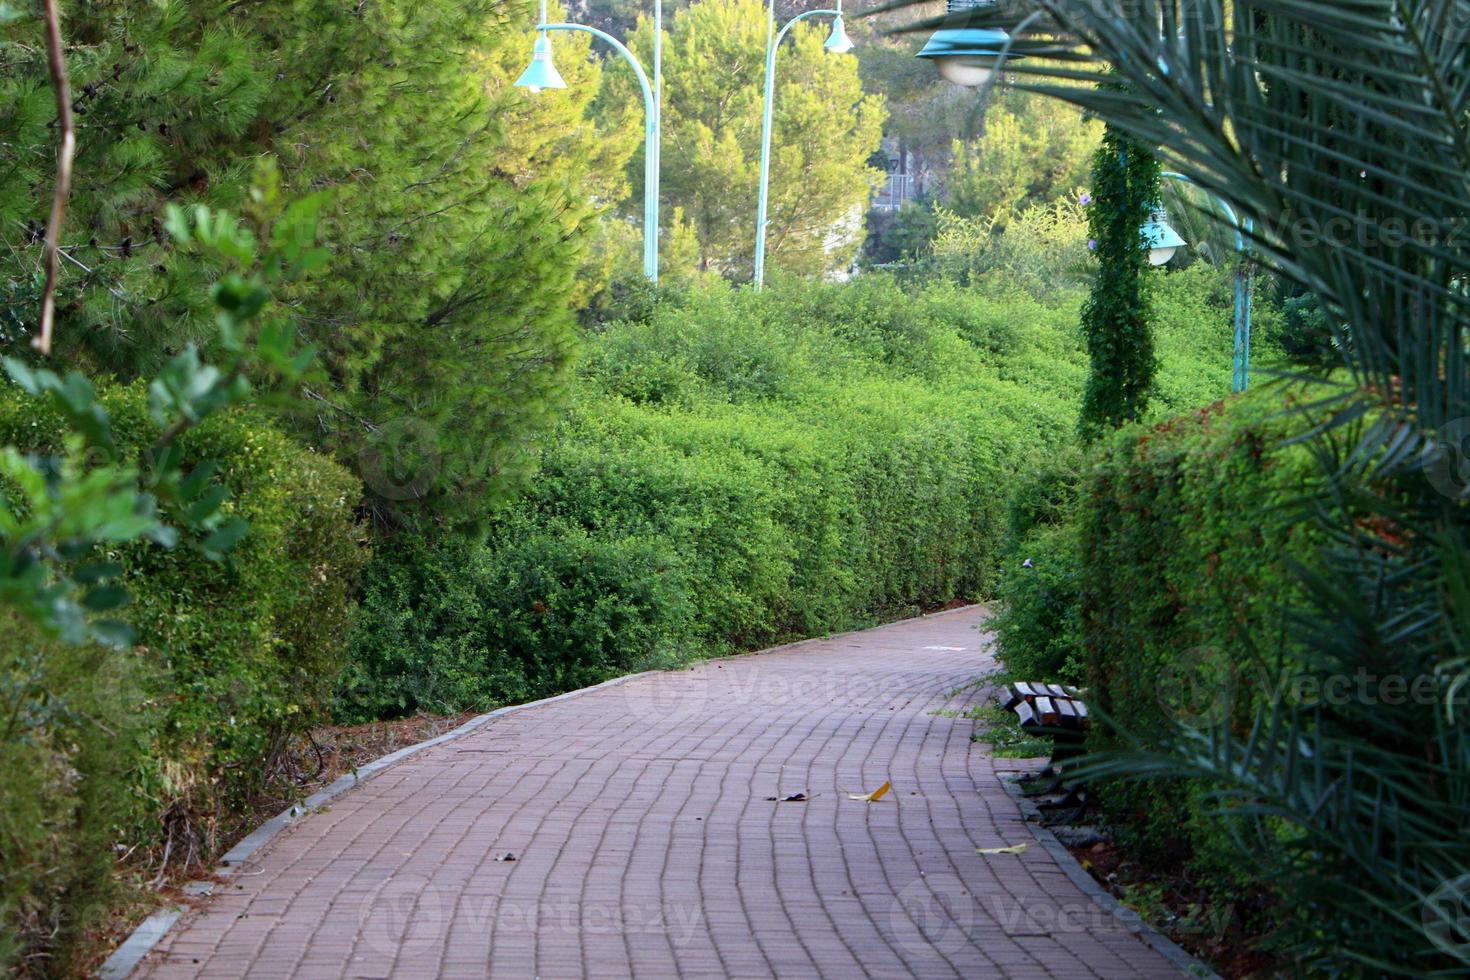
(925, 113)
(900, 235)
(825, 129)
(1032, 151)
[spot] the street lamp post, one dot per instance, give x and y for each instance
(966, 55)
(1244, 286)
(837, 43)
(542, 74)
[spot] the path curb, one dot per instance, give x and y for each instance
(1129, 919)
(125, 959)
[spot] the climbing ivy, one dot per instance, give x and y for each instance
(1116, 319)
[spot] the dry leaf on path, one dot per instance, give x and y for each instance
(872, 797)
(1014, 849)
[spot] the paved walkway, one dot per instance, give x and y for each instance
(644, 841)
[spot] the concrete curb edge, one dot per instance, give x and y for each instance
(125, 959)
(1129, 919)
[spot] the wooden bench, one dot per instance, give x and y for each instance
(1051, 710)
(1059, 713)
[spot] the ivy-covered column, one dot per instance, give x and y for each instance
(1116, 319)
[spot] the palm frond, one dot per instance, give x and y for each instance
(1342, 129)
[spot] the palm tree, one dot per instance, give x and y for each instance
(1340, 128)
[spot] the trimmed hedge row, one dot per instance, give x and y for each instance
(736, 468)
(1039, 586)
(741, 467)
(1315, 759)
(1186, 532)
(161, 746)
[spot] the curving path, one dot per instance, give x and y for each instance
(644, 842)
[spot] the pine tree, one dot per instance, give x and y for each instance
(458, 209)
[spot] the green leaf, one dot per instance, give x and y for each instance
(206, 505)
(104, 598)
(113, 633)
(23, 376)
(98, 571)
(218, 544)
(176, 223)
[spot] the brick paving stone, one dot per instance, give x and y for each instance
(645, 843)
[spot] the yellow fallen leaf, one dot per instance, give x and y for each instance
(1014, 849)
(872, 797)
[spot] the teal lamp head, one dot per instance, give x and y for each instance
(1160, 240)
(838, 42)
(541, 72)
(966, 55)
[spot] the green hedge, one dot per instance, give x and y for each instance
(74, 738)
(739, 467)
(164, 745)
(465, 626)
(1186, 532)
(1039, 627)
(736, 468)
(1039, 620)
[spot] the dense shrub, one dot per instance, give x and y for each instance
(460, 625)
(1039, 626)
(72, 735)
(1042, 248)
(1187, 529)
(741, 467)
(1194, 327)
(162, 746)
(737, 468)
(1307, 762)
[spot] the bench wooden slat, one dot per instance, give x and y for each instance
(1069, 715)
(1046, 710)
(1030, 691)
(1039, 705)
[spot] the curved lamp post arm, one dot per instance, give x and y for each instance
(765, 173)
(799, 17)
(650, 144)
(1224, 206)
(1244, 283)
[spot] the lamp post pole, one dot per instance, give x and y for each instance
(837, 43)
(652, 111)
(1244, 287)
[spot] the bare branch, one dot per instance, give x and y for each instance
(62, 86)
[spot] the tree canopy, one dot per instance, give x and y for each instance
(456, 211)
